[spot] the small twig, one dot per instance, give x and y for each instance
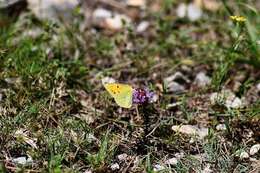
(149, 134)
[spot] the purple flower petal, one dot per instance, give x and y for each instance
(141, 96)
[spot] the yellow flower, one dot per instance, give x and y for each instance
(238, 18)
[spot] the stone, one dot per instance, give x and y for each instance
(194, 12)
(233, 102)
(171, 161)
(254, 149)
(53, 9)
(202, 79)
(115, 166)
(191, 130)
(158, 167)
(101, 13)
(220, 127)
(258, 87)
(177, 75)
(142, 27)
(228, 98)
(122, 157)
(22, 160)
(243, 155)
(181, 10)
(175, 87)
(136, 3)
(117, 22)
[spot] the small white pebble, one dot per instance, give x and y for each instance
(202, 79)
(158, 167)
(236, 103)
(221, 127)
(254, 149)
(194, 12)
(122, 157)
(102, 13)
(142, 26)
(114, 166)
(258, 86)
(22, 160)
(116, 22)
(172, 161)
(244, 155)
(136, 3)
(181, 10)
(191, 130)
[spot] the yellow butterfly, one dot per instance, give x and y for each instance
(122, 93)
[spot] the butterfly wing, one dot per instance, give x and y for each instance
(122, 94)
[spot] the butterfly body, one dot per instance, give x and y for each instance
(122, 93)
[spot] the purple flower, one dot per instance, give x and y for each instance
(141, 96)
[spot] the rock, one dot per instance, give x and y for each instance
(243, 155)
(117, 22)
(194, 12)
(158, 167)
(115, 166)
(22, 160)
(191, 130)
(258, 87)
(177, 75)
(136, 3)
(53, 9)
(202, 79)
(1, 97)
(181, 10)
(175, 87)
(228, 98)
(101, 13)
(13, 80)
(171, 105)
(233, 102)
(142, 26)
(172, 161)
(221, 127)
(254, 149)
(122, 157)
